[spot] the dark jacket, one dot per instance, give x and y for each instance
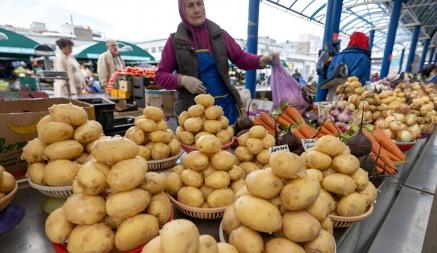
(357, 61)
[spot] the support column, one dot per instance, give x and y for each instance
(435, 58)
(401, 60)
(431, 55)
(371, 37)
(252, 42)
(413, 46)
(391, 35)
(335, 21)
(424, 52)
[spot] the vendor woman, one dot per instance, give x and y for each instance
(199, 53)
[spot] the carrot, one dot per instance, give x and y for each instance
(375, 143)
(258, 121)
(268, 120)
(379, 170)
(294, 114)
(324, 131)
(283, 122)
(331, 127)
(307, 131)
(287, 117)
(298, 134)
(388, 143)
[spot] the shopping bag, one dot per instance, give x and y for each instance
(285, 88)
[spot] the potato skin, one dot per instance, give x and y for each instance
(128, 174)
(115, 149)
(173, 231)
(300, 226)
(300, 193)
(286, 165)
(57, 227)
(33, 151)
(55, 132)
(221, 198)
(88, 132)
(136, 231)
(69, 114)
(246, 240)
(127, 204)
(68, 150)
(190, 196)
(53, 176)
(352, 205)
(282, 245)
(91, 238)
(339, 184)
(82, 209)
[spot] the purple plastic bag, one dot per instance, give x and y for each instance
(285, 88)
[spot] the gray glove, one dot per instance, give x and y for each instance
(193, 85)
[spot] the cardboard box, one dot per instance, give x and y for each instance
(125, 85)
(18, 120)
(123, 94)
(163, 99)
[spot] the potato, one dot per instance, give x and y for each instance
(236, 173)
(33, 151)
(248, 167)
(209, 144)
(246, 240)
(191, 178)
(160, 206)
(127, 204)
(317, 160)
(339, 183)
(217, 180)
(144, 152)
(153, 246)
(328, 172)
(243, 154)
(225, 248)
(178, 168)
(83, 209)
(196, 161)
(55, 132)
(224, 136)
(242, 139)
(136, 231)
(361, 178)
(160, 151)
(212, 126)
(208, 171)
(324, 243)
(153, 113)
(135, 134)
(286, 165)
(190, 196)
(183, 234)
(221, 198)
(83, 158)
(35, 173)
(92, 177)
(329, 200)
(90, 239)
(352, 205)
(206, 190)
(230, 130)
(128, 174)
(263, 157)
(67, 150)
(346, 164)
(263, 184)
(268, 141)
(258, 132)
(230, 220)
(204, 99)
(225, 122)
(175, 147)
(162, 125)
(236, 186)
(266, 219)
(43, 122)
(88, 132)
(314, 174)
(200, 134)
(327, 225)
(77, 188)
(282, 245)
(113, 150)
(57, 227)
(330, 145)
(254, 146)
(113, 222)
(161, 136)
(369, 193)
(319, 209)
(173, 183)
(88, 146)
(205, 205)
(300, 193)
(300, 226)
(153, 182)
(196, 111)
(69, 114)
(187, 138)
(182, 118)
(147, 125)
(208, 244)
(214, 113)
(54, 176)
(223, 160)
(193, 125)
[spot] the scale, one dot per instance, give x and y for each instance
(56, 75)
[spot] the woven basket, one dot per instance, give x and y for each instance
(199, 213)
(163, 164)
(7, 199)
(62, 192)
(189, 148)
(345, 222)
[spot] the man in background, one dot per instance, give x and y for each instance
(109, 62)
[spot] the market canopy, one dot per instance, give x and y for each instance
(128, 51)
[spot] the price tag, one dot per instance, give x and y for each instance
(308, 143)
(279, 148)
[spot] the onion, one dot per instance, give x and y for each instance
(334, 112)
(388, 132)
(381, 123)
(386, 113)
(389, 119)
(341, 105)
(405, 136)
(351, 107)
(402, 108)
(376, 115)
(399, 117)
(345, 116)
(410, 119)
(394, 126)
(415, 129)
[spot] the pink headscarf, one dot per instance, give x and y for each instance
(200, 34)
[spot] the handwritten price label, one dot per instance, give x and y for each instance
(279, 148)
(308, 143)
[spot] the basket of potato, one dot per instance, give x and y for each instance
(345, 185)
(206, 181)
(116, 204)
(157, 144)
(63, 141)
(201, 119)
(8, 188)
(280, 209)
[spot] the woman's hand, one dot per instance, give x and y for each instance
(267, 59)
(193, 85)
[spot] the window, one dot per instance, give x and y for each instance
(153, 49)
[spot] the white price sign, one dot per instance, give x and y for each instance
(308, 143)
(279, 148)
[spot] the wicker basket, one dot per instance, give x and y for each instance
(61, 192)
(163, 164)
(189, 148)
(7, 199)
(344, 222)
(199, 213)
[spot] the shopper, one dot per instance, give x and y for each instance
(109, 62)
(199, 53)
(356, 56)
(66, 62)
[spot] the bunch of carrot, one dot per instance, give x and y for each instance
(385, 148)
(304, 131)
(267, 121)
(328, 128)
(290, 116)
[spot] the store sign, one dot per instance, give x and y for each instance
(279, 148)
(308, 143)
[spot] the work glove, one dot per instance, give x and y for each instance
(267, 59)
(193, 85)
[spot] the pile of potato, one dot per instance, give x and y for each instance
(208, 177)
(345, 186)
(201, 119)
(182, 236)
(155, 141)
(116, 203)
(280, 209)
(63, 143)
(253, 149)
(7, 182)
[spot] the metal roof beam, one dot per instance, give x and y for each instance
(365, 3)
(419, 5)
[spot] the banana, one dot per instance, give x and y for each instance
(24, 129)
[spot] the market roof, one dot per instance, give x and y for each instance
(128, 51)
(365, 15)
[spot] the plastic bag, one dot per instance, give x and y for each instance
(285, 88)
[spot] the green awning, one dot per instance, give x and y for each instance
(128, 51)
(12, 44)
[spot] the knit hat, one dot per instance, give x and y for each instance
(359, 40)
